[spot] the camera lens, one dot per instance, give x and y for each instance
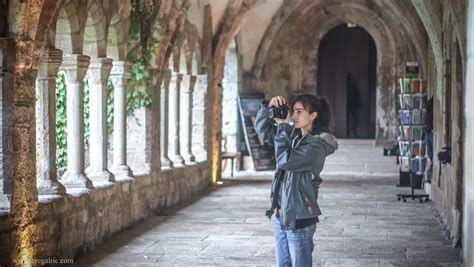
(280, 112)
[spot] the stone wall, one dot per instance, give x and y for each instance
(468, 226)
(68, 226)
(138, 139)
(447, 185)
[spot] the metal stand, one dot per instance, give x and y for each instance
(412, 195)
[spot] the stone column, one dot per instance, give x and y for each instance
(47, 173)
(153, 117)
(119, 75)
(199, 137)
(468, 231)
(99, 71)
(6, 149)
(75, 67)
(164, 119)
(174, 115)
(185, 115)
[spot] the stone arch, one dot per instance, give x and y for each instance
(119, 26)
(95, 32)
(196, 56)
(429, 15)
(113, 50)
(186, 58)
(411, 28)
(117, 40)
(178, 55)
(381, 25)
(172, 60)
(287, 12)
(457, 9)
(195, 64)
(383, 38)
(70, 27)
(386, 61)
(34, 19)
(196, 61)
(182, 54)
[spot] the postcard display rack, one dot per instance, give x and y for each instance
(412, 100)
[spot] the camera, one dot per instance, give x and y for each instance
(444, 155)
(279, 112)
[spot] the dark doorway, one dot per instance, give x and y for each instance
(348, 51)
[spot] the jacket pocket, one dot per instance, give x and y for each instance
(307, 200)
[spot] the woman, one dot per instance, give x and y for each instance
(300, 152)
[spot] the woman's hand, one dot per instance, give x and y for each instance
(276, 102)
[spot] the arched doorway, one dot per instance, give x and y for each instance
(349, 51)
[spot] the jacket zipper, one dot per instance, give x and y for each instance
(284, 198)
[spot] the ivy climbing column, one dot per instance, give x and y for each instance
(75, 67)
(121, 72)
(174, 115)
(185, 116)
(47, 173)
(99, 71)
(164, 119)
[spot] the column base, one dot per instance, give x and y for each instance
(189, 159)
(177, 161)
(148, 167)
(5, 202)
(201, 158)
(50, 187)
(100, 175)
(122, 172)
(166, 164)
(76, 180)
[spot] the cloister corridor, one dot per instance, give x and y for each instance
(119, 120)
(362, 224)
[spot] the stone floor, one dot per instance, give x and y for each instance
(362, 224)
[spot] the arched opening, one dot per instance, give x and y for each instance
(3, 19)
(64, 39)
(347, 59)
(112, 44)
(230, 93)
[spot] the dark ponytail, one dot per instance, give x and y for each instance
(320, 105)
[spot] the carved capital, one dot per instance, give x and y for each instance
(75, 66)
(121, 69)
(176, 77)
(185, 83)
(99, 70)
(49, 63)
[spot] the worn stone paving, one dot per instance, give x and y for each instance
(362, 224)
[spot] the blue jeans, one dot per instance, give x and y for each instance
(294, 247)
